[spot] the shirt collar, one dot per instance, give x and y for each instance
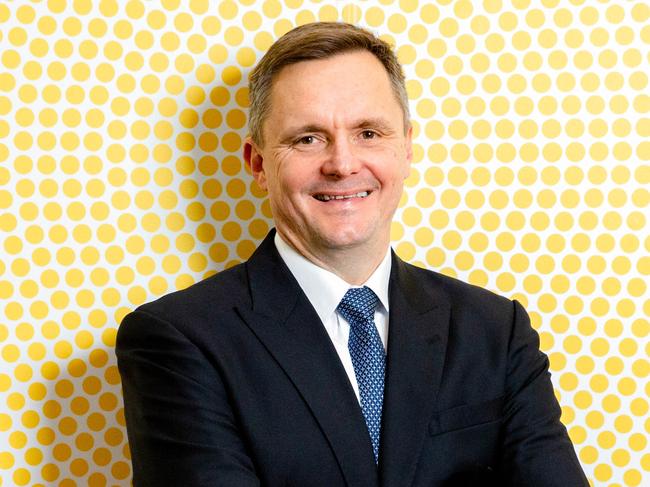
(323, 288)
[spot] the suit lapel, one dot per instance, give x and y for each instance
(417, 340)
(284, 320)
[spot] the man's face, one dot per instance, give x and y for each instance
(335, 154)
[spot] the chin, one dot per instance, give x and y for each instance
(345, 238)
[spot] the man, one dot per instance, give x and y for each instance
(325, 360)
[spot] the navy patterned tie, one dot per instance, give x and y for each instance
(368, 356)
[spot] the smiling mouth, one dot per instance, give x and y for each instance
(330, 197)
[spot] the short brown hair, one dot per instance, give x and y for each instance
(318, 40)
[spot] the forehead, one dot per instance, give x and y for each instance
(353, 84)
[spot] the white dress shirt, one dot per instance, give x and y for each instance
(325, 290)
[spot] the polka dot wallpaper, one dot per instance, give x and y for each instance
(121, 179)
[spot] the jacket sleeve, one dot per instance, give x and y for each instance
(537, 448)
(181, 428)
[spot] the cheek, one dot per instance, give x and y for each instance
(294, 178)
(400, 171)
(289, 186)
(289, 193)
(396, 159)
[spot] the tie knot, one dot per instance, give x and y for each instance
(358, 304)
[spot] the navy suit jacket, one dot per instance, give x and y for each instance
(235, 382)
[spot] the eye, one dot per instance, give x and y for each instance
(306, 140)
(368, 134)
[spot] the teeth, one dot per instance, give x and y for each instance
(326, 197)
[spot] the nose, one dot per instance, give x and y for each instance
(340, 160)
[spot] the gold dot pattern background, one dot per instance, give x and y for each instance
(121, 179)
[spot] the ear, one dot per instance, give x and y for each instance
(408, 146)
(254, 160)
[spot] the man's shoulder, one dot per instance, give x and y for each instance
(458, 293)
(215, 294)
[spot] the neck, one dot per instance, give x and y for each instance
(354, 264)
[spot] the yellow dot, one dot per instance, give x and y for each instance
(15, 401)
(588, 454)
(98, 358)
(61, 451)
(46, 436)
(21, 476)
(108, 401)
(6, 460)
(23, 372)
(583, 399)
(611, 403)
(102, 456)
(641, 368)
(96, 421)
(120, 470)
(606, 440)
(113, 436)
(79, 467)
(17, 439)
(639, 407)
(627, 386)
(633, 477)
(602, 472)
(5, 382)
(418, 34)
(640, 327)
(614, 365)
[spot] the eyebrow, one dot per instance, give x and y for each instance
(378, 123)
(292, 133)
